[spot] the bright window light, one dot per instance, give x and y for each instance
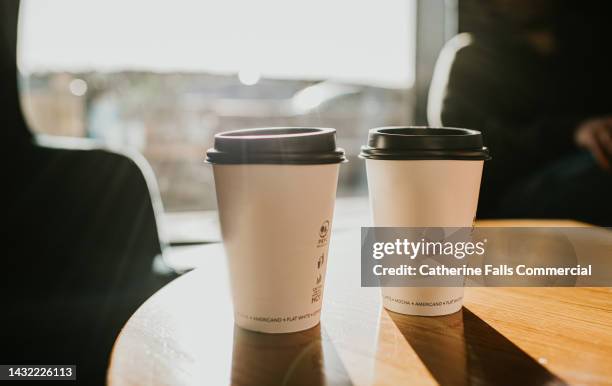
(363, 42)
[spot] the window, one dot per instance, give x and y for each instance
(164, 77)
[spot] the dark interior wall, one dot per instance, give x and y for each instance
(464, 12)
(12, 124)
(580, 28)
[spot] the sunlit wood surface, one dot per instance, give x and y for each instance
(184, 335)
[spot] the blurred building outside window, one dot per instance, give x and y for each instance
(164, 77)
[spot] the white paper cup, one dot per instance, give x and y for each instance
(276, 224)
(428, 188)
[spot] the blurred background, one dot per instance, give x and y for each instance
(164, 77)
(90, 87)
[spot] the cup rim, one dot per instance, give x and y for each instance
(275, 132)
(276, 145)
(424, 143)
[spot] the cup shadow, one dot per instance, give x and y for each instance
(302, 358)
(462, 349)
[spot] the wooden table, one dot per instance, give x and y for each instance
(184, 335)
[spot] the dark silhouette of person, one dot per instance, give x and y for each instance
(533, 75)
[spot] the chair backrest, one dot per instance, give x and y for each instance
(439, 81)
(79, 217)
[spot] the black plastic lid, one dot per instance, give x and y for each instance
(276, 145)
(424, 143)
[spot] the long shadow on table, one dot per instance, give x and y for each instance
(302, 358)
(462, 349)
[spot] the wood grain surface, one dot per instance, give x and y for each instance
(184, 335)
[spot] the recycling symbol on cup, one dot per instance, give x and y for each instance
(324, 229)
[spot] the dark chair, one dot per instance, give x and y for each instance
(80, 237)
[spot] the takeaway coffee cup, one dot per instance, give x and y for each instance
(423, 177)
(276, 189)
